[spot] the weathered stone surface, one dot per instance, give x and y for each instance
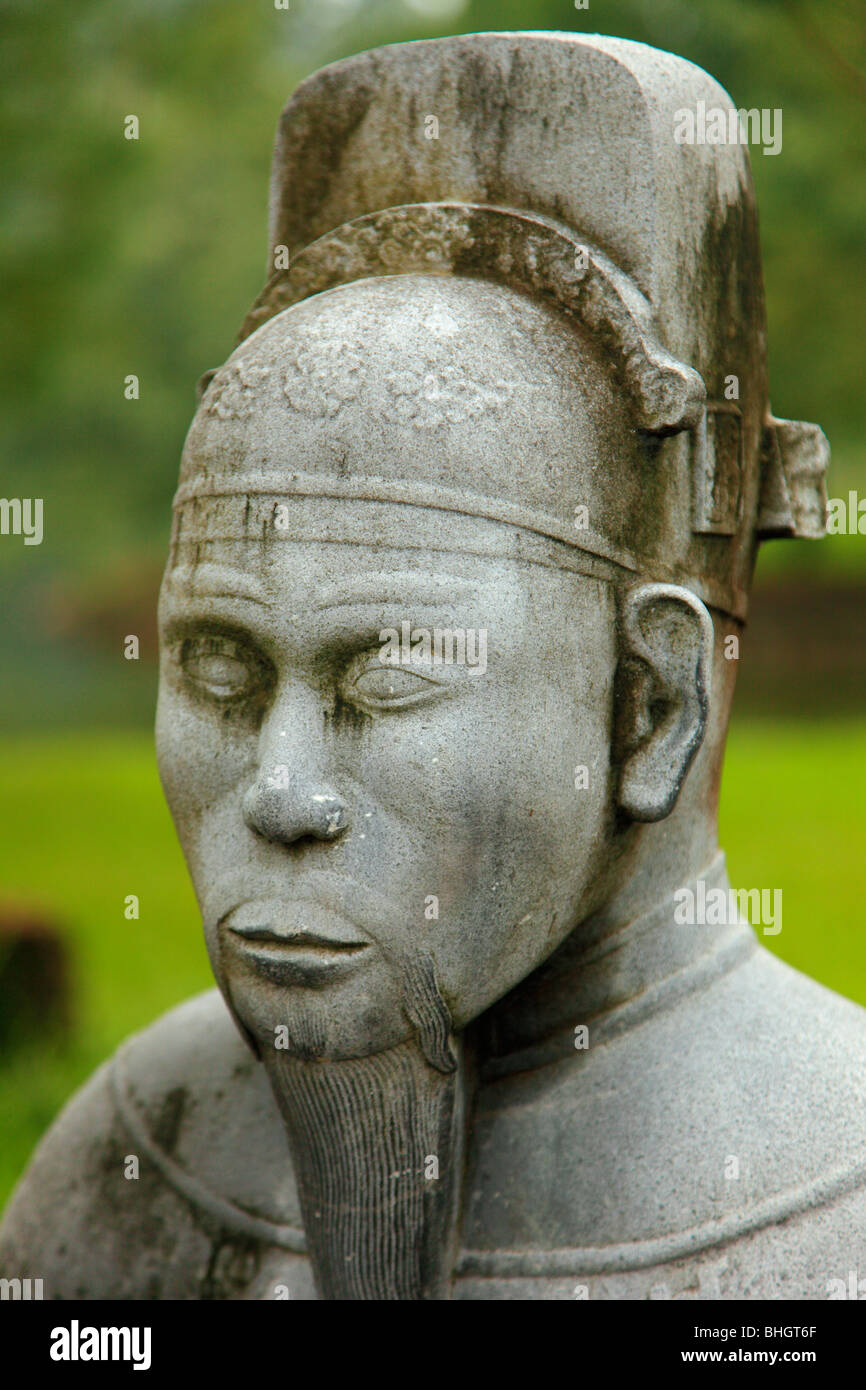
(464, 533)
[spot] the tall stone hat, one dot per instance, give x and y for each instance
(546, 163)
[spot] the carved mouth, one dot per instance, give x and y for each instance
(314, 943)
(294, 938)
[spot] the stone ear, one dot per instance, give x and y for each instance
(203, 383)
(664, 695)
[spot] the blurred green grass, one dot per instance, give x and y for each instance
(86, 825)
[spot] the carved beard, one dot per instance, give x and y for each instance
(377, 1144)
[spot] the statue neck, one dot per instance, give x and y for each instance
(608, 976)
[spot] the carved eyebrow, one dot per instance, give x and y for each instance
(397, 588)
(215, 581)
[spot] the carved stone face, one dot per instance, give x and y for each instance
(460, 835)
(369, 841)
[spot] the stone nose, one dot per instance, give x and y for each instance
(285, 807)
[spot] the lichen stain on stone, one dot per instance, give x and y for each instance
(318, 154)
(166, 1128)
(345, 717)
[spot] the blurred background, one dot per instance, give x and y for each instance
(141, 257)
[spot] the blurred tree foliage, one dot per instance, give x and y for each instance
(122, 256)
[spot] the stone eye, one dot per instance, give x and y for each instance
(384, 686)
(217, 669)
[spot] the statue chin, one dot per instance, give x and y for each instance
(334, 1003)
(321, 1025)
(330, 1021)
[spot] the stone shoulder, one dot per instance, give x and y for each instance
(742, 1107)
(176, 1105)
(192, 1090)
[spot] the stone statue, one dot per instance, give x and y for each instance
(461, 556)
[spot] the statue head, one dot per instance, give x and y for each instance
(464, 526)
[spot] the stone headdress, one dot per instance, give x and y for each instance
(548, 163)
